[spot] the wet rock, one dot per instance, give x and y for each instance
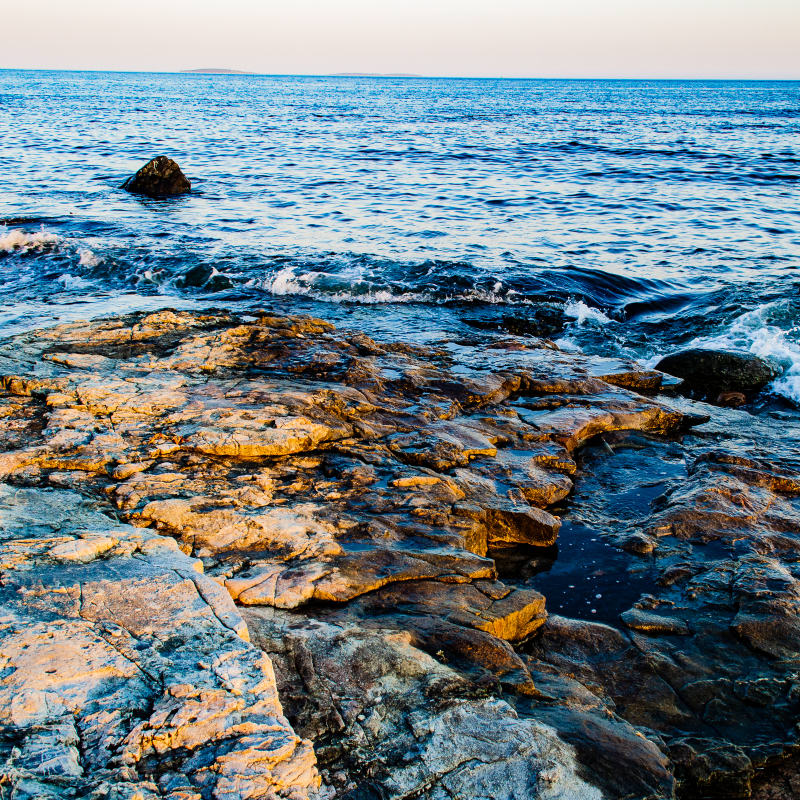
(708, 649)
(638, 543)
(543, 320)
(203, 277)
(710, 373)
(415, 722)
(654, 624)
(730, 399)
(160, 177)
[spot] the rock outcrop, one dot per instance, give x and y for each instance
(126, 672)
(346, 504)
(159, 177)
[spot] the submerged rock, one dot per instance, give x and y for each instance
(719, 373)
(543, 320)
(160, 177)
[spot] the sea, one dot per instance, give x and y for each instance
(647, 215)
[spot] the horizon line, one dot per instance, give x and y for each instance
(233, 73)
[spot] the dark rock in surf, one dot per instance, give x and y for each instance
(638, 543)
(543, 321)
(161, 177)
(709, 373)
(730, 399)
(203, 277)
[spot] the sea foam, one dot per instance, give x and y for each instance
(582, 313)
(17, 240)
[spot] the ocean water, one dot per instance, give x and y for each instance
(651, 215)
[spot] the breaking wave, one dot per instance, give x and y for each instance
(16, 240)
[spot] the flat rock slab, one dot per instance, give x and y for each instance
(351, 497)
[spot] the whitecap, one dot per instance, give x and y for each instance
(376, 297)
(567, 344)
(88, 258)
(73, 282)
(17, 240)
(582, 313)
(286, 281)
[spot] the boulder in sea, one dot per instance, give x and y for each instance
(710, 372)
(160, 177)
(204, 277)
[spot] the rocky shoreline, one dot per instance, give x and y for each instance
(259, 557)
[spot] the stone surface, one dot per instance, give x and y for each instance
(719, 373)
(159, 177)
(347, 503)
(123, 665)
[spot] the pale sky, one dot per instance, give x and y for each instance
(511, 38)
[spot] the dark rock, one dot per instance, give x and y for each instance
(654, 624)
(161, 177)
(638, 543)
(710, 373)
(544, 320)
(196, 277)
(203, 277)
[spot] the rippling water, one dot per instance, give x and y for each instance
(653, 213)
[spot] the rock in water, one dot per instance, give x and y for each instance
(161, 177)
(710, 372)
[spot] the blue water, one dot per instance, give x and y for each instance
(653, 214)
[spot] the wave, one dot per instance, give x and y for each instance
(357, 278)
(74, 283)
(603, 311)
(582, 313)
(88, 259)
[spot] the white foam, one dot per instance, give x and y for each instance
(360, 289)
(495, 295)
(72, 282)
(582, 313)
(286, 281)
(88, 258)
(371, 297)
(17, 239)
(567, 344)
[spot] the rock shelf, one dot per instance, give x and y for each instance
(210, 520)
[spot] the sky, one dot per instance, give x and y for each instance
(493, 38)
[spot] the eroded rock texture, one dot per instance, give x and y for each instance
(126, 672)
(351, 501)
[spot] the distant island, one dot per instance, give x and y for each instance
(216, 71)
(375, 75)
